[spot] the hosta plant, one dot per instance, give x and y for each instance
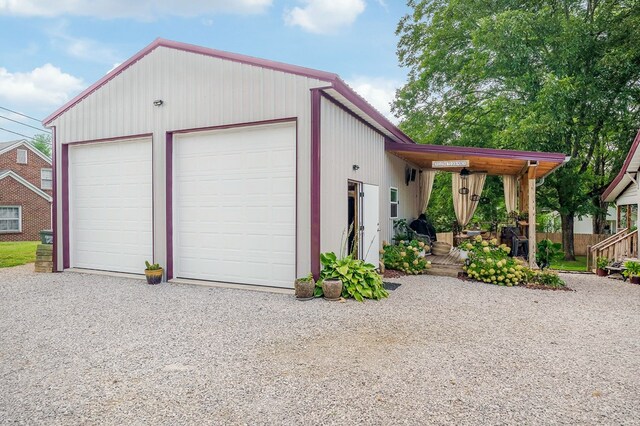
(359, 279)
(406, 256)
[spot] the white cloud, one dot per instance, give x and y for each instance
(137, 9)
(82, 48)
(45, 86)
(324, 16)
(378, 91)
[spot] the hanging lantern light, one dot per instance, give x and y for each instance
(464, 173)
(464, 190)
(475, 197)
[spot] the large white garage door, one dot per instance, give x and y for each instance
(110, 205)
(235, 205)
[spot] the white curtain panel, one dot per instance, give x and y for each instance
(462, 204)
(424, 190)
(510, 193)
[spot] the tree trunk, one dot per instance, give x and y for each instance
(567, 236)
(600, 218)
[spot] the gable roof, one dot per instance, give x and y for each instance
(336, 85)
(23, 181)
(623, 179)
(8, 146)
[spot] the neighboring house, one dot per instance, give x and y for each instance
(25, 191)
(623, 191)
(224, 167)
(581, 225)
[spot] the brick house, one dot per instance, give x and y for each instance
(25, 191)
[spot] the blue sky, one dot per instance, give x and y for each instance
(52, 50)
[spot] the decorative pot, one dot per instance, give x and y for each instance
(332, 289)
(601, 272)
(304, 289)
(634, 280)
(153, 276)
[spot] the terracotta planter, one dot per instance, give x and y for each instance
(634, 280)
(601, 272)
(332, 289)
(153, 276)
(304, 289)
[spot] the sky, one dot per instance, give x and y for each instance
(50, 50)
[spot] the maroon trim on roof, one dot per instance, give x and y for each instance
(623, 170)
(352, 114)
(553, 157)
(159, 42)
(316, 99)
(337, 84)
(346, 91)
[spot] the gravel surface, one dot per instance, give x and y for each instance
(85, 349)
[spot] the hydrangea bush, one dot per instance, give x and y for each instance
(490, 263)
(406, 256)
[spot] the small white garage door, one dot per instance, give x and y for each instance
(235, 205)
(110, 203)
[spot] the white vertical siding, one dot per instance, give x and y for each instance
(198, 91)
(346, 141)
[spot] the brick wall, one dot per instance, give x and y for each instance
(36, 211)
(29, 171)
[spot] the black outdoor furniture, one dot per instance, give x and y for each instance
(519, 243)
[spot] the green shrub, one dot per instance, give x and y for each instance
(152, 267)
(489, 262)
(405, 257)
(548, 279)
(547, 252)
(359, 279)
(632, 269)
(602, 262)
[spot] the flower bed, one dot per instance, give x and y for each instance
(406, 256)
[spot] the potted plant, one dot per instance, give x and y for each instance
(153, 273)
(632, 271)
(601, 264)
(305, 287)
(331, 288)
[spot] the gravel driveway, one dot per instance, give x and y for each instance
(84, 349)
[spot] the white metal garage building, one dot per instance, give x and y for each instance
(220, 167)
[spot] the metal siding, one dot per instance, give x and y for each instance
(347, 141)
(198, 91)
(628, 196)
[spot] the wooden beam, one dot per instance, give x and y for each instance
(533, 245)
(523, 199)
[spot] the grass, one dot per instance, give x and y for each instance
(580, 264)
(17, 253)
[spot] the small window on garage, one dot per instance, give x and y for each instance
(46, 179)
(10, 219)
(393, 197)
(22, 156)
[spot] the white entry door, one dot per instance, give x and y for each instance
(110, 205)
(371, 224)
(235, 205)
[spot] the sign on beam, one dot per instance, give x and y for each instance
(450, 164)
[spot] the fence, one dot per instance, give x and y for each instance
(581, 242)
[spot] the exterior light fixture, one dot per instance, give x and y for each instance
(463, 191)
(355, 167)
(464, 173)
(158, 102)
(475, 197)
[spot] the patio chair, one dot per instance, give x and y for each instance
(519, 243)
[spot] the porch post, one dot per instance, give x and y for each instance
(531, 178)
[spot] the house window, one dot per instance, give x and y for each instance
(46, 179)
(393, 197)
(10, 219)
(22, 156)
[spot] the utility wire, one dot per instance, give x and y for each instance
(16, 133)
(25, 124)
(19, 113)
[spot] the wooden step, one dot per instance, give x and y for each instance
(444, 270)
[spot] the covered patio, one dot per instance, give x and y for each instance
(521, 172)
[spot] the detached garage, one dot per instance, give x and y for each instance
(221, 167)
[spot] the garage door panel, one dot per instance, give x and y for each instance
(111, 205)
(234, 198)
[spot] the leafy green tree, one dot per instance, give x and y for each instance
(544, 75)
(42, 143)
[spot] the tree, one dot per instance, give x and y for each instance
(42, 143)
(543, 75)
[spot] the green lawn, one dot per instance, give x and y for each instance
(580, 264)
(18, 253)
